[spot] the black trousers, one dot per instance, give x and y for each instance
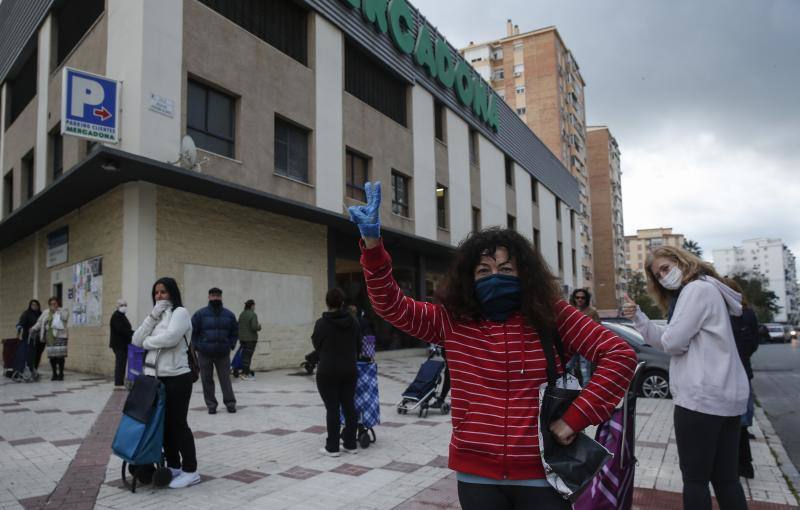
(339, 392)
(478, 496)
(222, 364)
(57, 364)
(708, 451)
(120, 362)
(248, 348)
(178, 439)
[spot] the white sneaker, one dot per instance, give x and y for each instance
(245, 377)
(184, 480)
(351, 452)
(324, 451)
(175, 472)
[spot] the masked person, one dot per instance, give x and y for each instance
(52, 326)
(248, 337)
(26, 321)
(708, 382)
(215, 331)
(120, 338)
(499, 301)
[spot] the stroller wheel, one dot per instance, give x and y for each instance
(363, 440)
(445, 408)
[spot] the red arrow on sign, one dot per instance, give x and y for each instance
(102, 113)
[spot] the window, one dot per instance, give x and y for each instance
(439, 112)
(21, 88)
(400, 194)
(473, 147)
(574, 264)
(518, 69)
(560, 256)
(280, 23)
(558, 208)
(534, 190)
(476, 219)
(441, 206)
(522, 111)
(375, 85)
(509, 171)
(357, 176)
(497, 54)
(56, 153)
(498, 74)
(72, 23)
(511, 221)
(291, 151)
(8, 191)
(210, 119)
(518, 46)
(572, 219)
(27, 176)
(501, 93)
(536, 238)
(520, 89)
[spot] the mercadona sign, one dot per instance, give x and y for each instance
(396, 18)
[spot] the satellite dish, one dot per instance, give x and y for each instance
(188, 157)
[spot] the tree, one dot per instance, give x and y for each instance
(637, 290)
(693, 247)
(763, 301)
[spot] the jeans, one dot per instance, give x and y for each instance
(248, 348)
(178, 439)
(708, 451)
(223, 366)
(478, 496)
(339, 391)
(120, 362)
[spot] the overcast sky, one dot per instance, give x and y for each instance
(702, 97)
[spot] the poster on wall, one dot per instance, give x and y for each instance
(87, 293)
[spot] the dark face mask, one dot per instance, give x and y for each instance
(216, 304)
(499, 295)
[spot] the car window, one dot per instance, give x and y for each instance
(630, 334)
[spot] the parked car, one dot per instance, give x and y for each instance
(795, 331)
(778, 332)
(654, 382)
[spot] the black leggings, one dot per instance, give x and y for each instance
(339, 391)
(57, 364)
(478, 496)
(708, 450)
(178, 439)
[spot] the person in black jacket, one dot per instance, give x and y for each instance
(35, 348)
(121, 334)
(215, 331)
(337, 340)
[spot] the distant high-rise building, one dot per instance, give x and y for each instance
(608, 234)
(771, 259)
(538, 77)
(636, 247)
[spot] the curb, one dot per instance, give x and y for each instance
(779, 452)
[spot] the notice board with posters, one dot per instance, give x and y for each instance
(86, 293)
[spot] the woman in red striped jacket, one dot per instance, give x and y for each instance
(499, 298)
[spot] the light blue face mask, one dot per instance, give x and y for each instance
(499, 295)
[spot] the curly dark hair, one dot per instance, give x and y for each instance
(540, 289)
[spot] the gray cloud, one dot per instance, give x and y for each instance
(700, 95)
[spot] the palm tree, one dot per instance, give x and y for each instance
(693, 247)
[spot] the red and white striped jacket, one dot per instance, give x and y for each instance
(496, 369)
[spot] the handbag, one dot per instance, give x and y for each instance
(569, 468)
(194, 365)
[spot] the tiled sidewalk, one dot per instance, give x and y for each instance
(265, 456)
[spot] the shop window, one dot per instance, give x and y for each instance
(439, 112)
(476, 219)
(72, 21)
(511, 221)
(441, 206)
(210, 118)
(26, 179)
(291, 150)
(21, 88)
(56, 153)
(8, 192)
(400, 188)
(374, 84)
(282, 24)
(534, 190)
(357, 176)
(509, 171)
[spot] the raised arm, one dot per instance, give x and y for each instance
(615, 362)
(178, 325)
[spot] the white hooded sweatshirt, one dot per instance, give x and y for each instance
(705, 372)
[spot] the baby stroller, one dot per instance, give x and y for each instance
(311, 362)
(419, 393)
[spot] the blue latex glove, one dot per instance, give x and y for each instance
(368, 217)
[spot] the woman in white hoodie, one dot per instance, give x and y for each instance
(52, 327)
(165, 334)
(707, 380)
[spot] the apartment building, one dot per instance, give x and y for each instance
(608, 233)
(637, 246)
(537, 75)
(293, 106)
(771, 259)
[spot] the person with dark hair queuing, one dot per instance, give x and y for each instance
(582, 299)
(26, 321)
(120, 338)
(52, 326)
(248, 337)
(500, 309)
(214, 334)
(706, 378)
(164, 335)
(337, 340)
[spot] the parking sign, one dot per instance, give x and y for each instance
(90, 106)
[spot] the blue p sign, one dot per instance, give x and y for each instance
(90, 106)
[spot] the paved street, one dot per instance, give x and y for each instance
(54, 451)
(777, 387)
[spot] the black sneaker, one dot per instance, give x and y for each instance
(212, 410)
(231, 409)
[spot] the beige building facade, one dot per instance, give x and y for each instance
(638, 246)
